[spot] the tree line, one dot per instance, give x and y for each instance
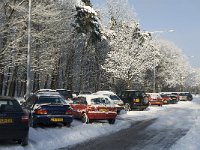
(77, 47)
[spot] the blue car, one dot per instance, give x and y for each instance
(47, 109)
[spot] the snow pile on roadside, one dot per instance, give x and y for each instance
(55, 138)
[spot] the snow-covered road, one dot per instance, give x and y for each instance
(182, 118)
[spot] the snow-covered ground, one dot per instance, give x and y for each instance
(54, 138)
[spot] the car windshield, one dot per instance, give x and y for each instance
(10, 106)
(50, 99)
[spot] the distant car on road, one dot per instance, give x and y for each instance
(189, 96)
(169, 98)
(93, 107)
(47, 108)
(182, 97)
(14, 121)
(134, 99)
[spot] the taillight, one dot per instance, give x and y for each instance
(40, 111)
(68, 112)
(25, 118)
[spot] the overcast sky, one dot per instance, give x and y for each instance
(183, 16)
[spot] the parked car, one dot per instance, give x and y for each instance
(66, 93)
(14, 121)
(166, 98)
(175, 99)
(47, 108)
(93, 107)
(118, 103)
(189, 96)
(134, 99)
(182, 97)
(155, 99)
(169, 98)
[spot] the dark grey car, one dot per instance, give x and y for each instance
(14, 122)
(134, 99)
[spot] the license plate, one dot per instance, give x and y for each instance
(103, 110)
(6, 120)
(57, 119)
(137, 100)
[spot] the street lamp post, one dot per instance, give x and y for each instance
(28, 83)
(154, 60)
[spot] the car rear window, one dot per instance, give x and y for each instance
(182, 94)
(50, 99)
(114, 97)
(100, 101)
(65, 93)
(10, 106)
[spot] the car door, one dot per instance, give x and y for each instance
(79, 106)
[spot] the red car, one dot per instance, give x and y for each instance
(155, 99)
(93, 107)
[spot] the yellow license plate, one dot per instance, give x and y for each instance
(103, 110)
(6, 120)
(137, 100)
(57, 119)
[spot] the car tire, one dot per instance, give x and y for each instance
(24, 141)
(118, 112)
(127, 107)
(85, 118)
(111, 121)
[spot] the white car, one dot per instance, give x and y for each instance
(118, 103)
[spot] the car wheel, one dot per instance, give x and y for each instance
(118, 112)
(85, 118)
(24, 141)
(111, 121)
(127, 107)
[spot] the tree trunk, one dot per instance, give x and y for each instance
(36, 82)
(12, 83)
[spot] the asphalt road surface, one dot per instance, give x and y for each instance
(137, 137)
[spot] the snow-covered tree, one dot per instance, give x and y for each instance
(88, 28)
(128, 57)
(173, 67)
